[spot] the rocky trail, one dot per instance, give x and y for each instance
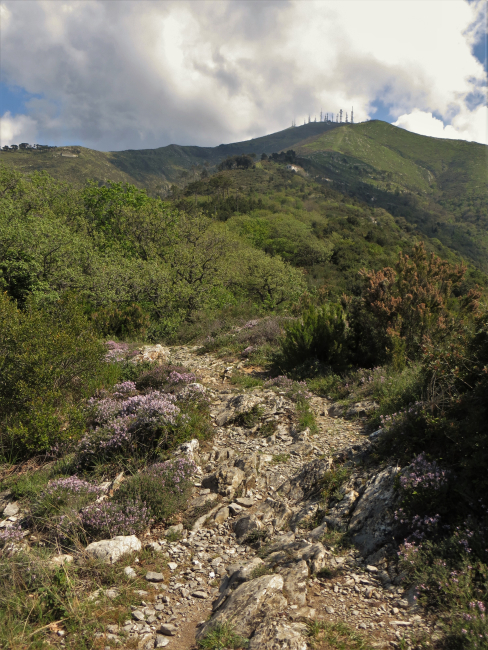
(260, 550)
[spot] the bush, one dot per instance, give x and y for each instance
(48, 357)
(110, 518)
(163, 487)
(121, 321)
(56, 508)
(320, 333)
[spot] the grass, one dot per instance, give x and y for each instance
(37, 599)
(222, 636)
(249, 418)
(280, 458)
(306, 417)
(338, 636)
(332, 481)
(246, 381)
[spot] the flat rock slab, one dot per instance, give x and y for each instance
(110, 550)
(152, 576)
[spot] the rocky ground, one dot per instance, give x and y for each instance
(260, 548)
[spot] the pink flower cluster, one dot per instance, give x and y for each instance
(109, 518)
(173, 472)
(11, 534)
(59, 487)
(120, 420)
(181, 378)
(424, 474)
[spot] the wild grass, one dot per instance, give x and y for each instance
(338, 636)
(222, 636)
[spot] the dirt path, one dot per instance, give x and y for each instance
(265, 512)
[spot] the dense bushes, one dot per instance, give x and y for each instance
(138, 264)
(48, 358)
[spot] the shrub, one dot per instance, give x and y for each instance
(110, 518)
(320, 333)
(136, 424)
(164, 488)
(56, 508)
(121, 321)
(48, 357)
(400, 307)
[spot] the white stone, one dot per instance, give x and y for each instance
(110, 550)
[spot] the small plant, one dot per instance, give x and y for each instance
(332, 481)
(111, 518)
(257, 537)
(249, 418)
(261, 570)
(164, 488)
(56, 509)
(246, 381)
(280, 458)
(173, 536)
(337, 636)
(221, 637)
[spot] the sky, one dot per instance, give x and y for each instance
(137, 74)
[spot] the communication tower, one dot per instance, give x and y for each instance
(340, 112)
(352, 115)
(347, 121)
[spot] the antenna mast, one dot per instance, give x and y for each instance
(340, 112)
(352, 115)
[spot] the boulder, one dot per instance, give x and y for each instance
(110, 550)
(295, 583)
(155, 353)
(248, 605)
(275, 512)
(361, 409)
(373, 523)
(225, 480)
(279, 635)
(221, 515)
(246, 525)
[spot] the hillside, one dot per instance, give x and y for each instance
(437, 187)
(154, 169)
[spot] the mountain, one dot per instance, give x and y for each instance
(435, 186)
(155, 169)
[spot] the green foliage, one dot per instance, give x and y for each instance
(222, 636)
(338, 636)
(162, 491)
(280, 458)
(319, 333)
(48, 357)
(249, 418)
(127, 321)
(332, 481)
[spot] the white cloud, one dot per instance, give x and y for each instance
(16, 129)
(468, 125)
(137, 74)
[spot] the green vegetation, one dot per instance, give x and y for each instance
(324, 635)
(355, 299)
(222, 636)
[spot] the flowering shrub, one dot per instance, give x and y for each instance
(136, 421)
(455, 584)
(110, 518)
(181, 377)
(116, 351)
(56, 508)
(163, 487)
(120, 390)
(11, 535)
